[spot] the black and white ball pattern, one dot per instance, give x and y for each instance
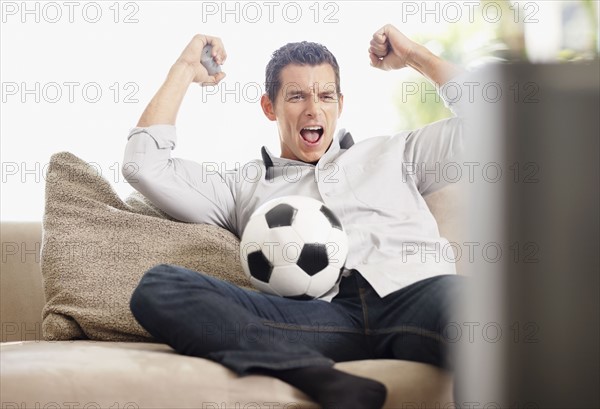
(294, 246)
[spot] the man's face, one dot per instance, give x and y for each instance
(306, 110)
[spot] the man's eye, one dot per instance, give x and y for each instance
(295, 98)
(328, 98)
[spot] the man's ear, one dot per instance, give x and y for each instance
(340, 104)
(267, 107)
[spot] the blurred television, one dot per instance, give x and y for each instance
(531, 320)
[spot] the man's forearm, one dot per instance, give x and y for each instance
(434, 68)
(164, 106)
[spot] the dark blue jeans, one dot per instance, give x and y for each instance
(244, 330)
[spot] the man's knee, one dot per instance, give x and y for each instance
(440, 298)
(452, 280)
(149, 289)
(164, 275)
(160, 272)
(449, 295)
(449, 288)
(162, 280)
(140, 297)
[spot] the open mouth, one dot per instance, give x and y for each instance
(312, 134)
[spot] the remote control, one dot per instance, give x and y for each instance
(207, 60)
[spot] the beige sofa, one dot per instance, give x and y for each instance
(90, 374)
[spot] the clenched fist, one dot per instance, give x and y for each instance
(390, 49)
(192, 55)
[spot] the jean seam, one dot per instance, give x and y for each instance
(365, 310)
(309, 328)
(410, 330)
(367, 330)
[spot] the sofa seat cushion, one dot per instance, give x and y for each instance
(94, 374)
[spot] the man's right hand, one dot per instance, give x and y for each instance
(163, 108)
(192, 53)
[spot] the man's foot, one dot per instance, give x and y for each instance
(334, 389)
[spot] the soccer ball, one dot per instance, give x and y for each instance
(294, 246)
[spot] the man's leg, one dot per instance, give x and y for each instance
(413, 323)
(252, 332)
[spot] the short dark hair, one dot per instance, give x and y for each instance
(302, 53)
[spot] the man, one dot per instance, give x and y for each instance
(391, 303)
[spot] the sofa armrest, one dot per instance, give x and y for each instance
(21, 291)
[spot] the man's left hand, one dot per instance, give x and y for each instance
(390, 49)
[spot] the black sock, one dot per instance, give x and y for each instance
(334, 389)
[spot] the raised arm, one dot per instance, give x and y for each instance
(434, 145)
(392, 50)
(184, 189)
(163, 108)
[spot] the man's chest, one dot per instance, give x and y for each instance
(360, 187)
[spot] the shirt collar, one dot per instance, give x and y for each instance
(341, 141)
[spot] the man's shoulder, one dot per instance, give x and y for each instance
(379, 144)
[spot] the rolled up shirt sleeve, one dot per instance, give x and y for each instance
(184, 189)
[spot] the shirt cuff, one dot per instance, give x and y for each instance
(164, 135)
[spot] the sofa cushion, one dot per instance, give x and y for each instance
(143, 375)
(96, 247)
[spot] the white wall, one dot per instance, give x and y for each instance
(133, 58)
(56, 56)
